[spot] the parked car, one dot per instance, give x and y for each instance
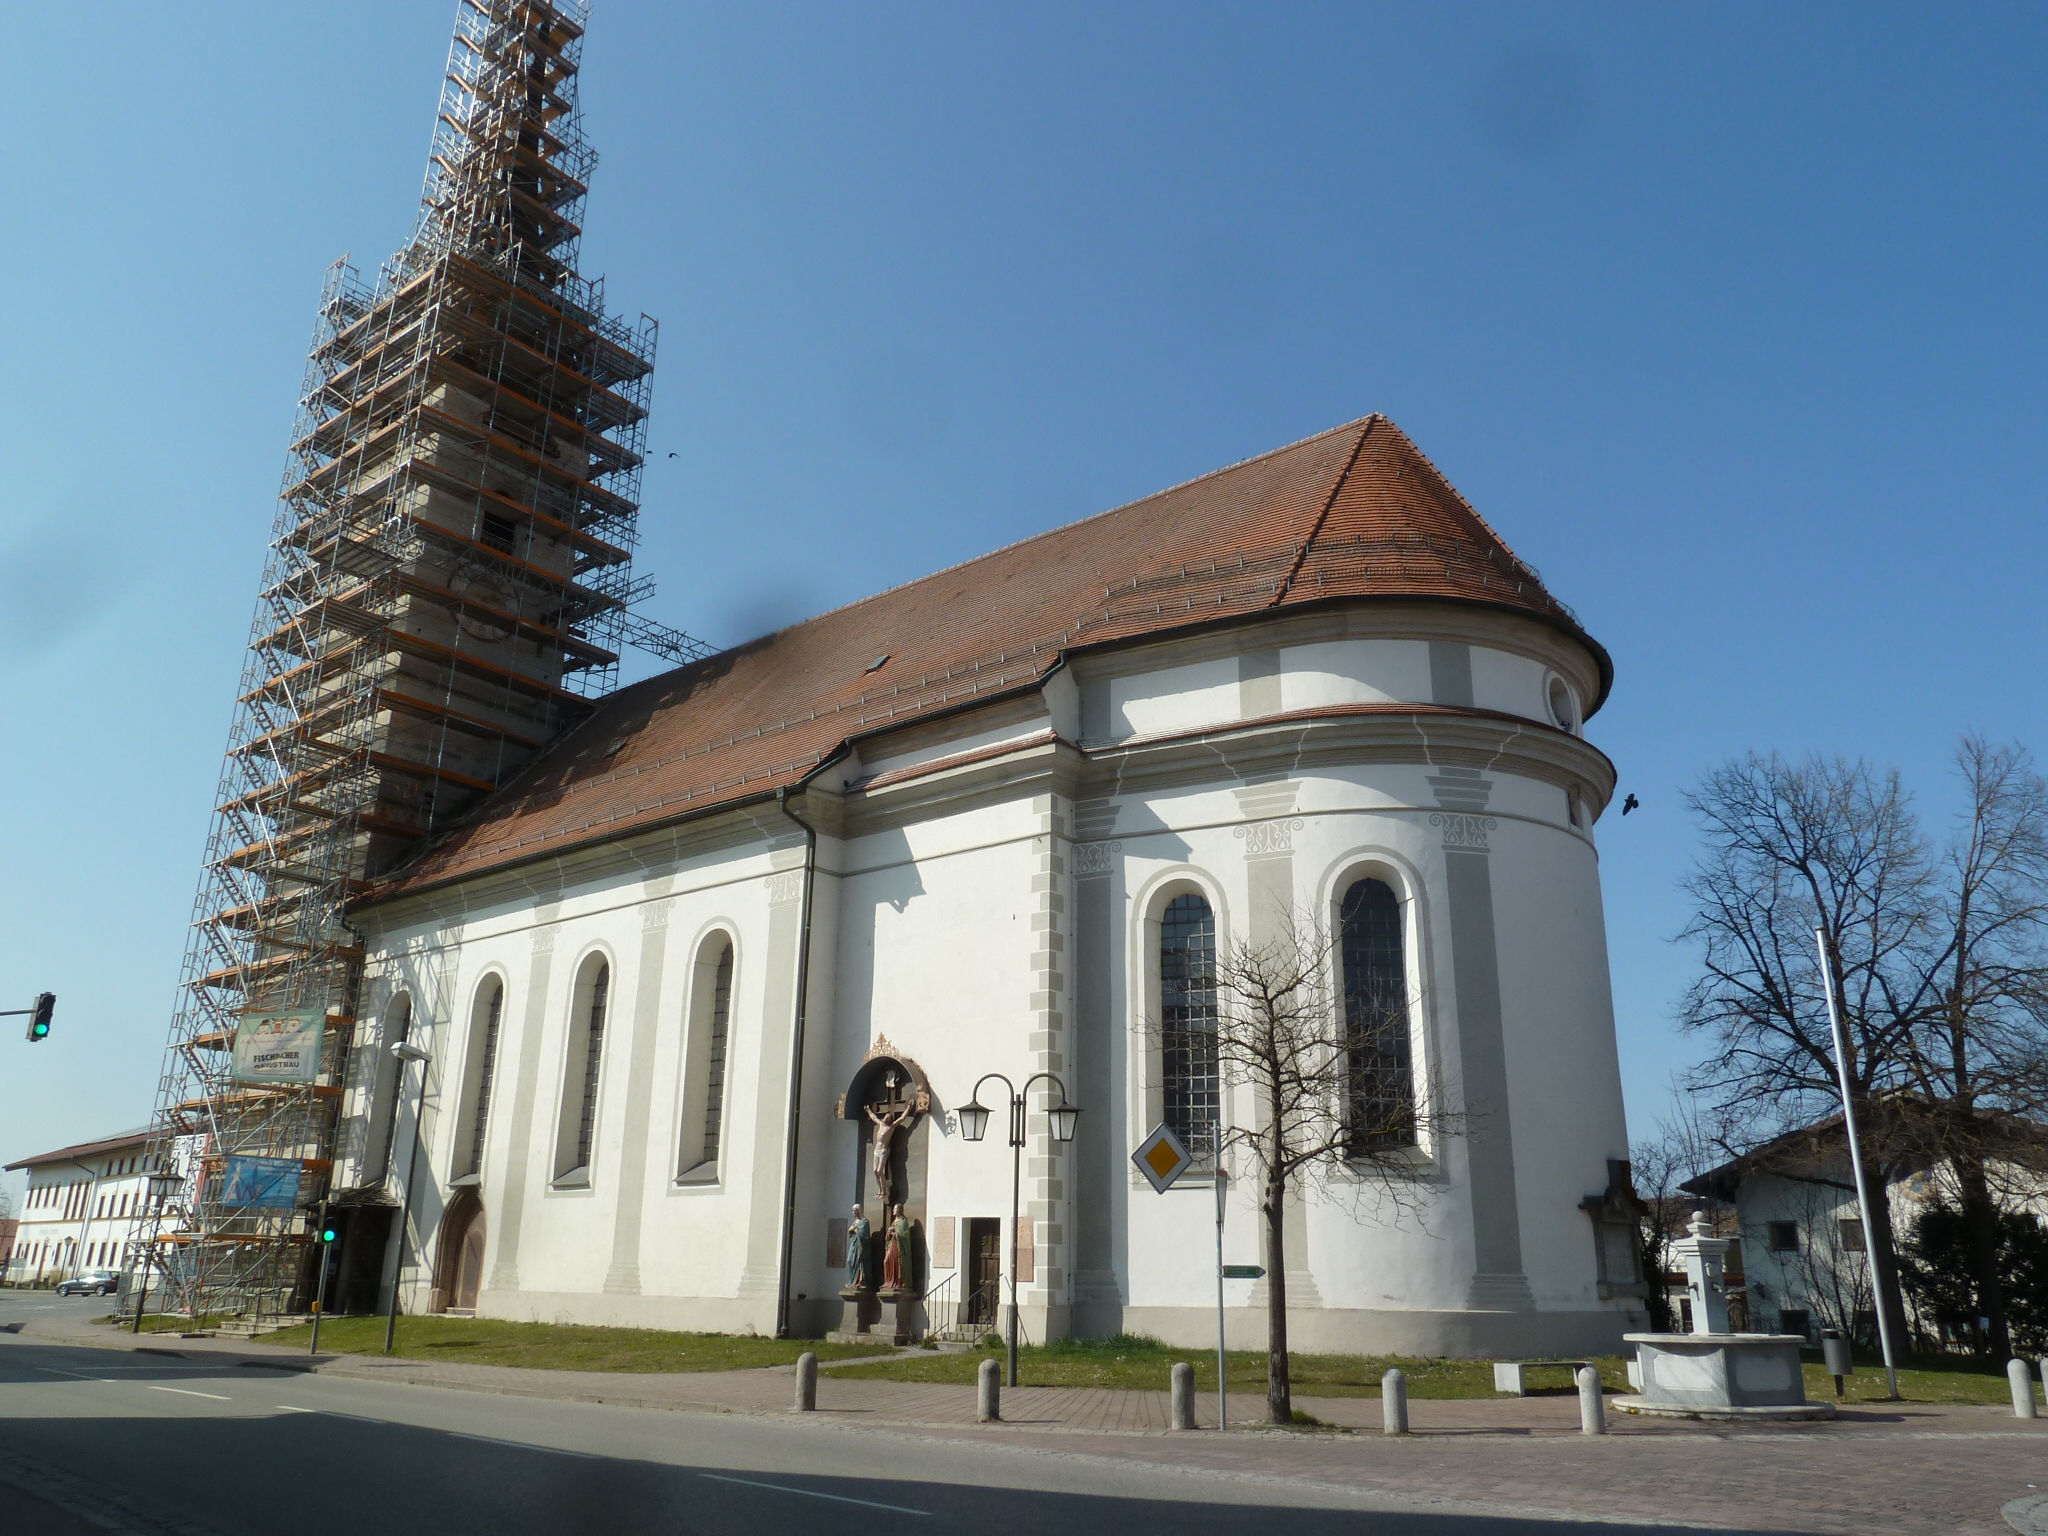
(93, 1282)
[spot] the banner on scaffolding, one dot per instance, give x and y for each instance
(279, 1045)
(261, 1183)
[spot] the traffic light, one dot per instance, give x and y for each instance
(327, 1234)
(39, 1016)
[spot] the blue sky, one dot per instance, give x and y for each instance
(1729, 318)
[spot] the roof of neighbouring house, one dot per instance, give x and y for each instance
(84, 1149)
(1356, 512)
(1901, 1128)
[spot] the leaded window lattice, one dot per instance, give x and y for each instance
(714, 1064)
(593, 1052)
(1187, 1011)
(485, 1069)
(1381, 1090)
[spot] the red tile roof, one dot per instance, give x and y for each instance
(1355, 512)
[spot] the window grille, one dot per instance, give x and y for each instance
(714, 1066)
(1187, 1010)
(593, 1051)
(1382, 1086)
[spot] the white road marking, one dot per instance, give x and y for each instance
(288, 1408)
(51, 1370)
(182, 1392)
(810, 1493)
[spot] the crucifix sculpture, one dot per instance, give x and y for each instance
(886, 1127)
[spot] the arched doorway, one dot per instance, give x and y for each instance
(459, 1267)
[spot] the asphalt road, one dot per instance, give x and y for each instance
(93, 1441)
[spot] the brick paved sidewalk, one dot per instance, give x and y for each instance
(1916, 1468)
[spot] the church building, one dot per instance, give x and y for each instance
(679, 976)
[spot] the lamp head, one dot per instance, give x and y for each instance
(973, 1120)
(405, 1050)
(1064, 1117)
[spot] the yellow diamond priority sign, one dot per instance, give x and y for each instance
(1162, 1158)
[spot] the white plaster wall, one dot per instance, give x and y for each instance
(1174, 698)
(1563, 1062)
(1372, 671)
(1354, 672)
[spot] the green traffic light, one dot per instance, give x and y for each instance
(41, 1030)
(327, 1236)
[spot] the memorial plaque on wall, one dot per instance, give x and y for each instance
(1027, 1251)
(942, 1242)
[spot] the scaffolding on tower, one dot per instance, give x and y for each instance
(448, 586)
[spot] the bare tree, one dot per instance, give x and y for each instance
(1337, 1101)
(1659, 1166)
(1979, 1053)
(1789, 848)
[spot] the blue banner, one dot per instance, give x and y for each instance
(261, 1183)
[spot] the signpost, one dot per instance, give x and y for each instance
(1162, 1157)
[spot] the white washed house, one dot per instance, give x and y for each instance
(84, 1209)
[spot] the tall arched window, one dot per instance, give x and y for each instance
(1187, 1015)
(1382, 1088)
(704, 1071)
(576, 1134)
(485, 1017)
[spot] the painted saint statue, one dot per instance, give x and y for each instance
(896, 1257)
(858, 1277)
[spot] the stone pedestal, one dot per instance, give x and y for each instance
(1721, 1376)
(859, 1311)
(906, 1310)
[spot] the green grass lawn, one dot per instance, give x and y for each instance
(1132, 1360)
(1921, 1381)
(560, 1346)
(1139, 1362)
(1129, 1360)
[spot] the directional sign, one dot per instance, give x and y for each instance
(1162, 1158)
(1243, 1272)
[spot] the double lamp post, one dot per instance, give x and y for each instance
(974, 1125)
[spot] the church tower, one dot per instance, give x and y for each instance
(448, 586)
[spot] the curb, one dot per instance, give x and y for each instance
(2028, 1516)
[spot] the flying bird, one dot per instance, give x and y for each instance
(1629, 804)
(671, 455)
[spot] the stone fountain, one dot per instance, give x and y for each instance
(1712, 1373)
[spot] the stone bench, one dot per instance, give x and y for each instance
(1511, 1377)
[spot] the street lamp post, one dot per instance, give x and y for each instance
(161, 1185)
(974, 1125)
(406, 1051)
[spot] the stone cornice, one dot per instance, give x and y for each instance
(1339, 735)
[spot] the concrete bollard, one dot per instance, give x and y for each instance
(988, 1394)
(1183, 1396)
(806, 1382)
(1394, 1402)
(1592, 1406)
(2043, 1362)
(2021, 1376)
